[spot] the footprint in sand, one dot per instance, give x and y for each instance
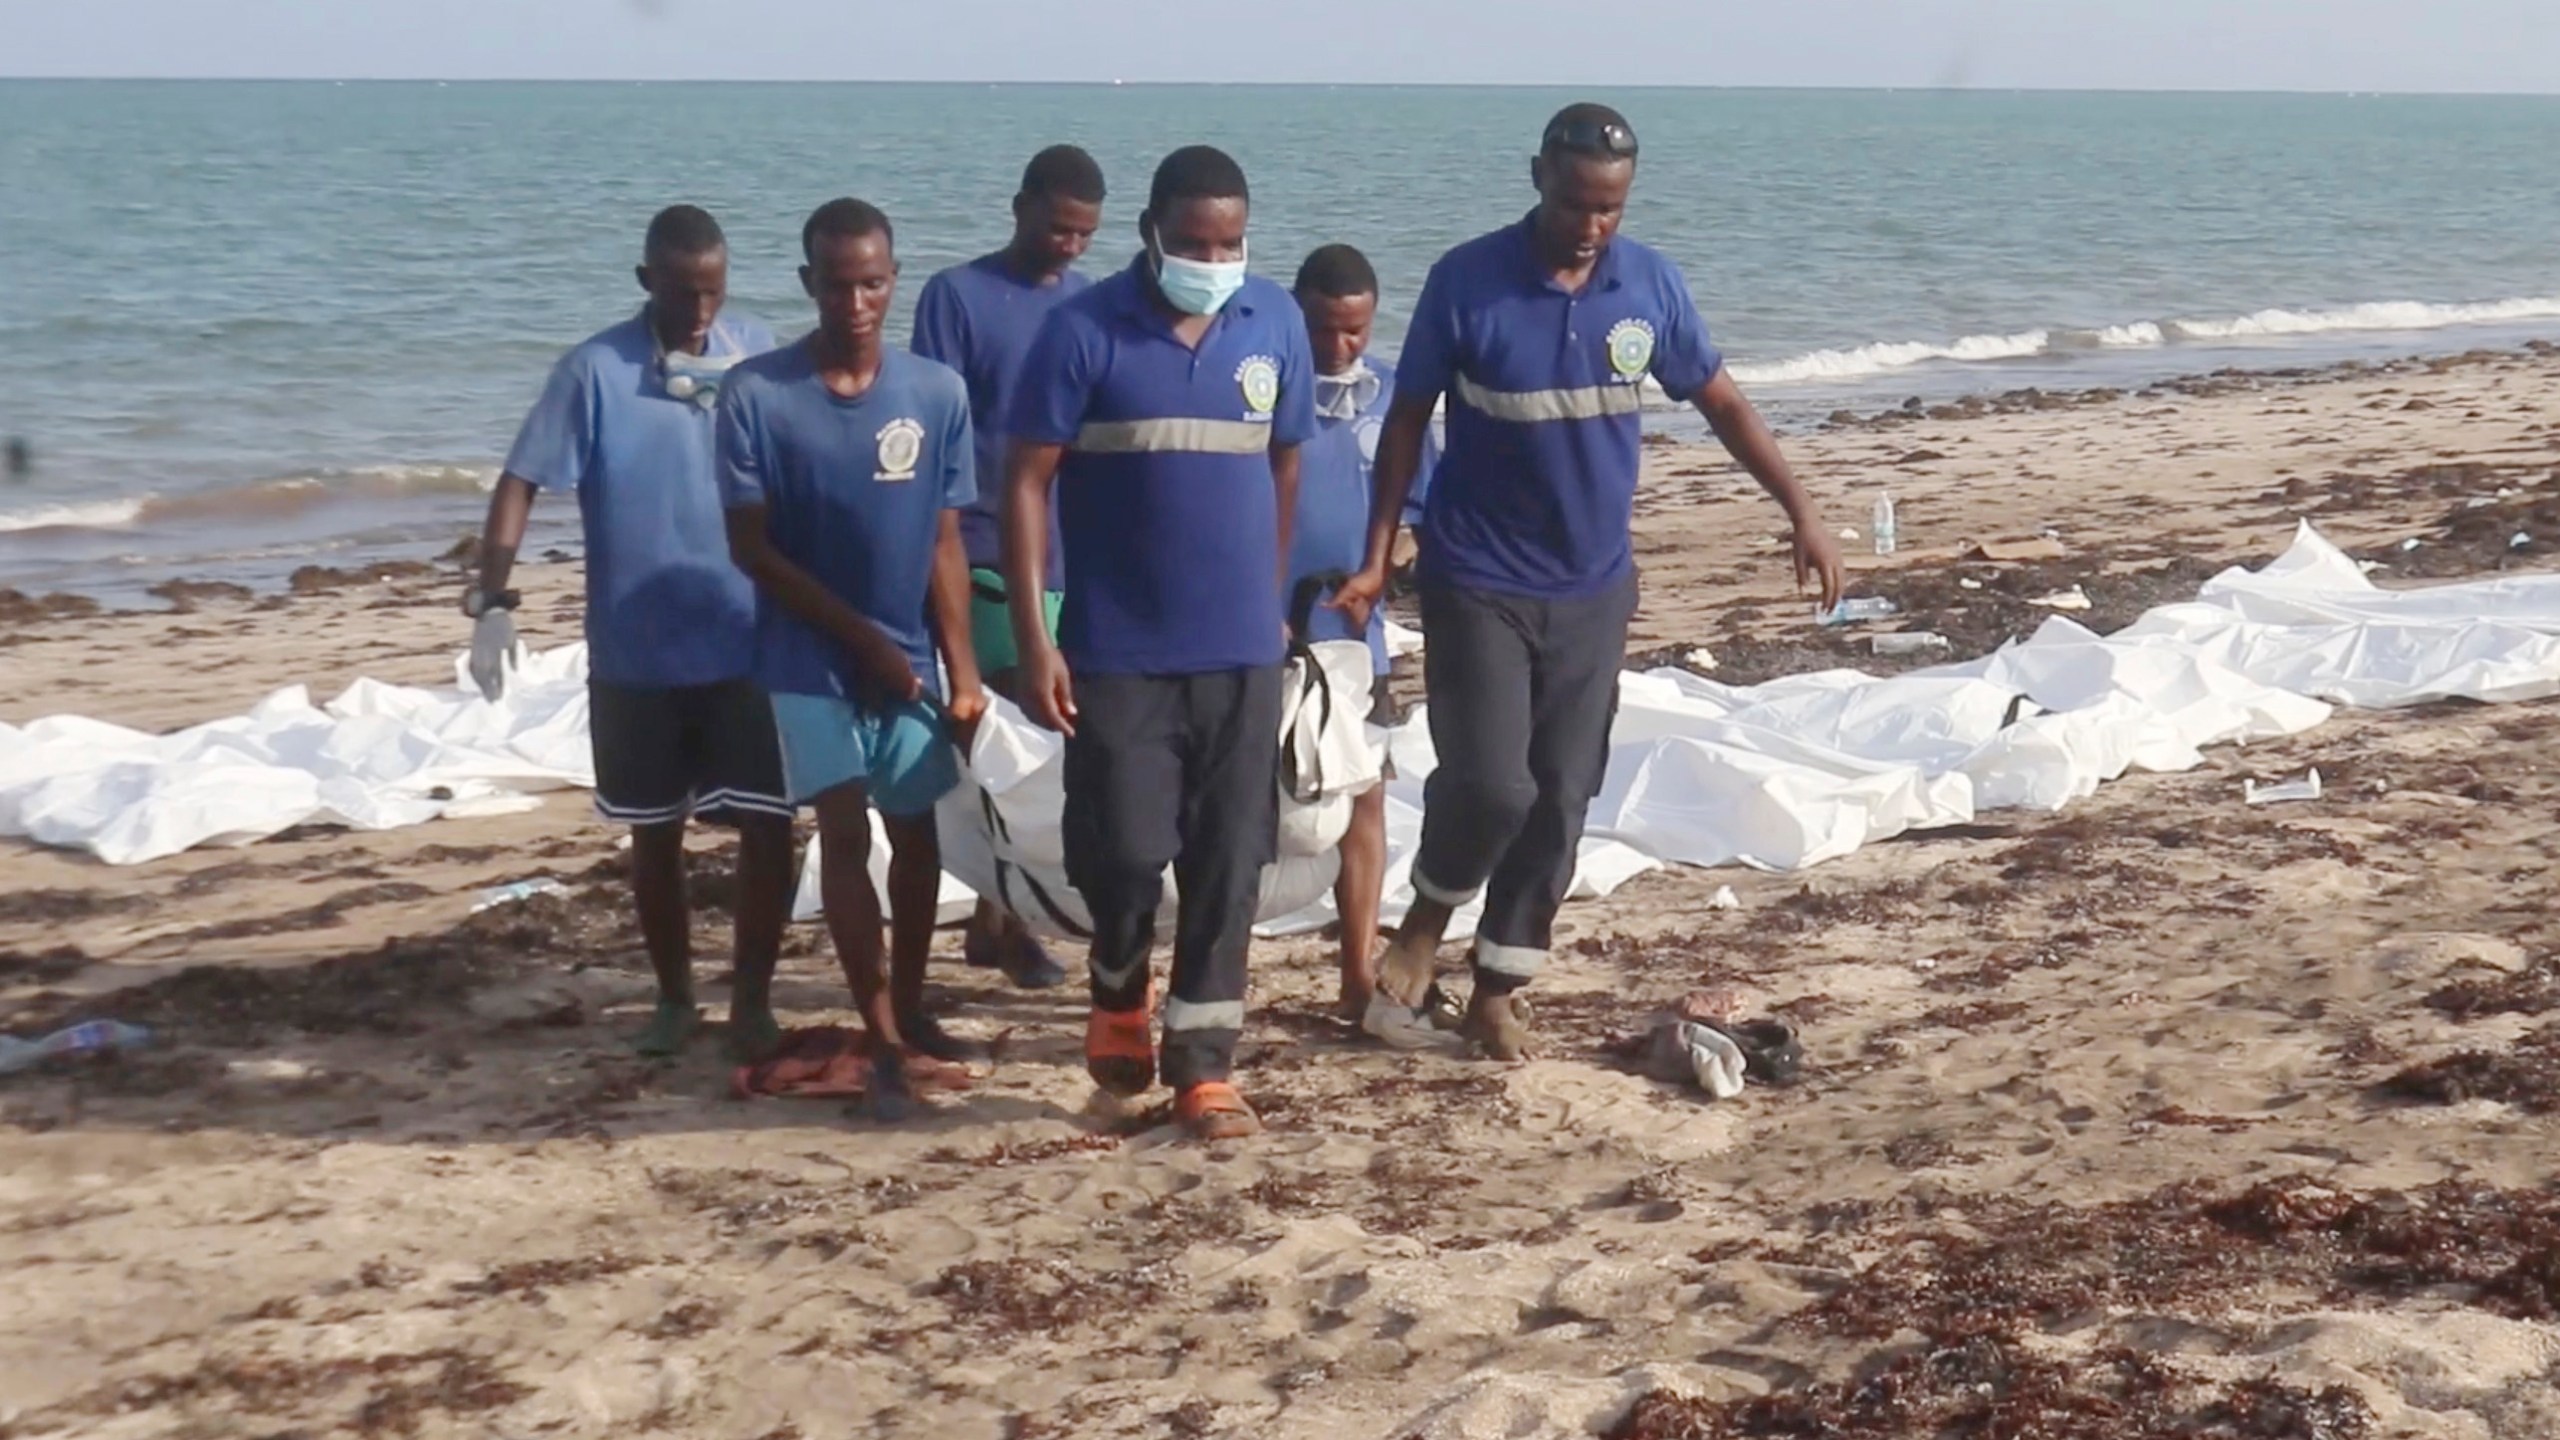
(1563, 1099)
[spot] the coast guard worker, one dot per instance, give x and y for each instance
(1540, 336)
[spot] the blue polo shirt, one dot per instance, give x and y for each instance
(853, 492)
(980, 319)
(1165, 493)
(665, 608)
(1334, 495)
(1536, 491)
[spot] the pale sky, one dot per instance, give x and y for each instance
(2421, 45)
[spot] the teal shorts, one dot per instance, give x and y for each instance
(991, 622)
(903, 758)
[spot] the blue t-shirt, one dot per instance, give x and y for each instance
(980, 319)
(853, 492)
(1334, 495)
(665, 608)
(1536, 490)
(1165, 493)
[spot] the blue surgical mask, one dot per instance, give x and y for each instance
(1198, 287)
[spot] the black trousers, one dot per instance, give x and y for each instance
(1178, 770)
(1522, 695)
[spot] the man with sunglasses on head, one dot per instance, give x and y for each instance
(679, 730)
(1168, 404)
(1540, 336)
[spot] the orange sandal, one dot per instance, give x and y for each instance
(1120, 1049)
(1212, 1110)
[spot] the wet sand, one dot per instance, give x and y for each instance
(2157, 1112)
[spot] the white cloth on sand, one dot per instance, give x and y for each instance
(1779, 776)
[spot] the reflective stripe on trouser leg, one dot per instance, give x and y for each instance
(1518, 964)
(1230, 831)
(1454, 899)
(1182, 1015)
(1478, 669)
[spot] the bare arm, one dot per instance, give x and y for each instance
(1029, 471)
(510, 506)
(1045, 688)
(951, 607)
(1284, 489)
(1746, 437)
(1391, 477)
(877, 656)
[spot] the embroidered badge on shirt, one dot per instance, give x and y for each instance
(1259, 379)
(1630, 348)
(901, 445)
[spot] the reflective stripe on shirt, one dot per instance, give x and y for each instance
(1173, 434)
(1534, 407)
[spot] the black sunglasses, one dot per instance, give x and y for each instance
(1590, 137)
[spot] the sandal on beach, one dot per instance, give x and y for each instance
(1770, 1053)
(1399, 1026)
(1212, 1110)
(1120, 1049)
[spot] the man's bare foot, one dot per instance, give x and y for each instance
(924, 1035)
(1405, 968)
(1496, 1029)
(888, 1099)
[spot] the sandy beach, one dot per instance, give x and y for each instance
(2158, 1112)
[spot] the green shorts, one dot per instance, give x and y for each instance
(991, 622)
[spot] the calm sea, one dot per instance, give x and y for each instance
(249, 326)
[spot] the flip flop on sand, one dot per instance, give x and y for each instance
(1212, 1110)
(1120, 1049)
(1769, 1050)
(1402, 1027)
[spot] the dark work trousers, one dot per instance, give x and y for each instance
(1522, 694)
(1179, 770)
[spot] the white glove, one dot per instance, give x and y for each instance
(493, 651)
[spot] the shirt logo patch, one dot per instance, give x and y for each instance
(901, 445)
(1630, 348)
(1259, 379)
(1366, 430)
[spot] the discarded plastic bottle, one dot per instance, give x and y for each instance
(1911, 642)
(1857, 610)
(518, 892)
(88, 1038)
(1888, 535)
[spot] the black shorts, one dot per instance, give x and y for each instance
(707, 750)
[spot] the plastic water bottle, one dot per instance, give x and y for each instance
(1888, 537)
(1911, 642)
(520, 891)
(88, 1038)
(1857, 610)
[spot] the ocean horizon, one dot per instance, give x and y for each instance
(288, 321)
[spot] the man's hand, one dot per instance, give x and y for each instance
(883, 672)
(1358, 596)
(966, 708)
(1818, 560)
(1048, 691)
(493, 651)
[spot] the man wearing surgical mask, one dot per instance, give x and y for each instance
(679, 731)
(1168, 403)
(1337, 292)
